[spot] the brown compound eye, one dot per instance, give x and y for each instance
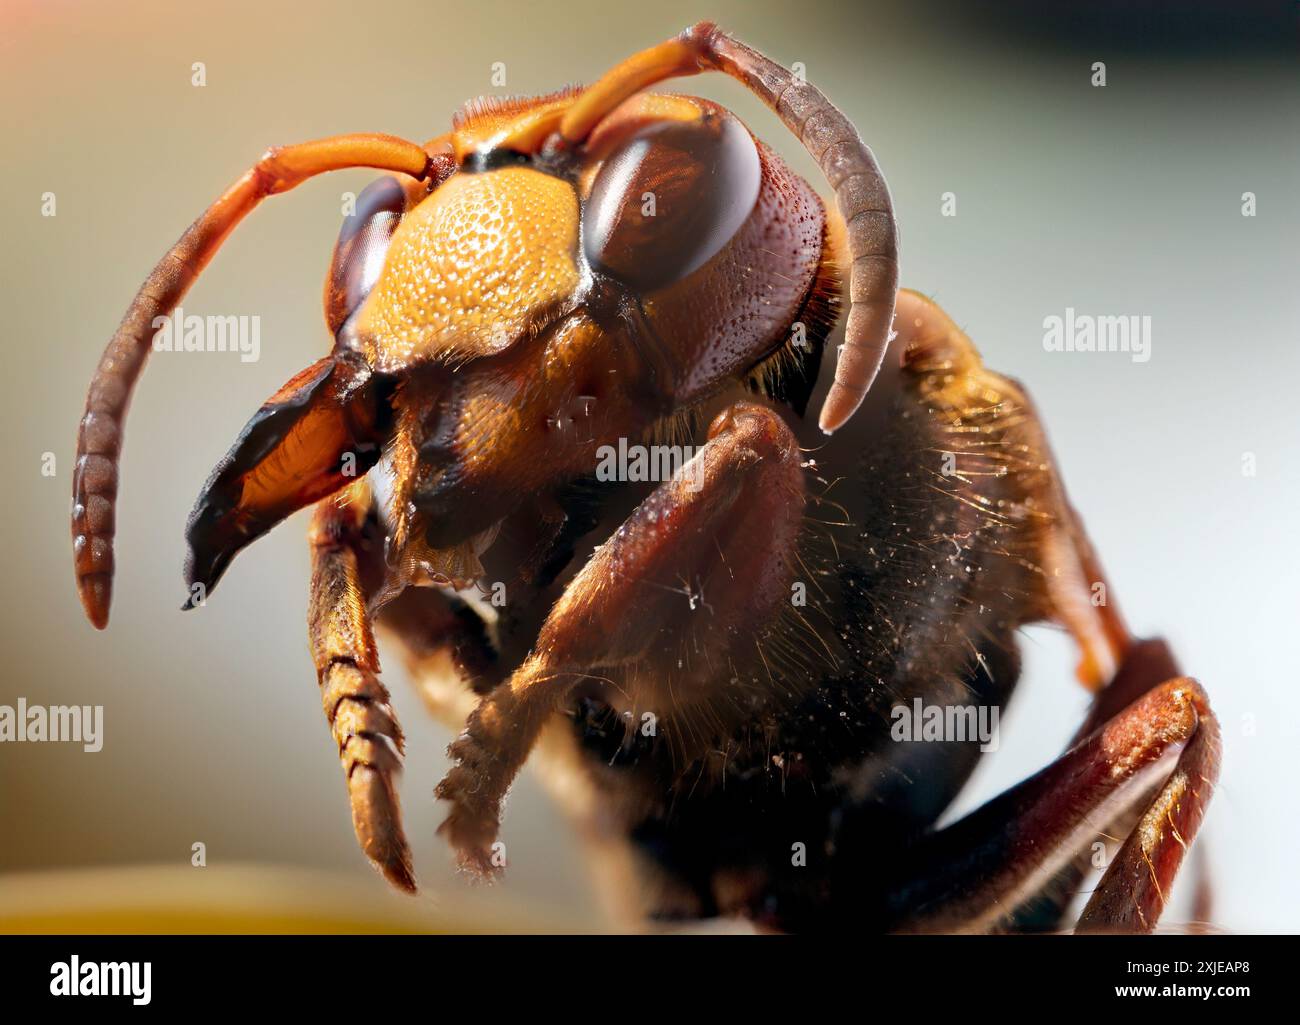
(361, 247)
(668, 199)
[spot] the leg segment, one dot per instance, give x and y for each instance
(99, 438)
(1132, 893)
(974, 873)
(1147, 664)
(655, 621)
(347, 666)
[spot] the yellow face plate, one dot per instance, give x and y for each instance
(471, 268)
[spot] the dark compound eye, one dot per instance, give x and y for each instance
(668, 199)
(361, 247)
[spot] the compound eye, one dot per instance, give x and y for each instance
(668, 199)
(361, 247)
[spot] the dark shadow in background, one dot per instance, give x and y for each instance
(1191, 28)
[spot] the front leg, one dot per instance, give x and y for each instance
(655, 621)
(347, 666)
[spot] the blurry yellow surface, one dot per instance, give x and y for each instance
(241, 899)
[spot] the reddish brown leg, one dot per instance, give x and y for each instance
(677, 597)
(1133, 892)
(347, 666)
(974, 873)
(1146, 664)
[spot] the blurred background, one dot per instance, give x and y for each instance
(1125, 199)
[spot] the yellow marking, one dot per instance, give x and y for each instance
(473, 268)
